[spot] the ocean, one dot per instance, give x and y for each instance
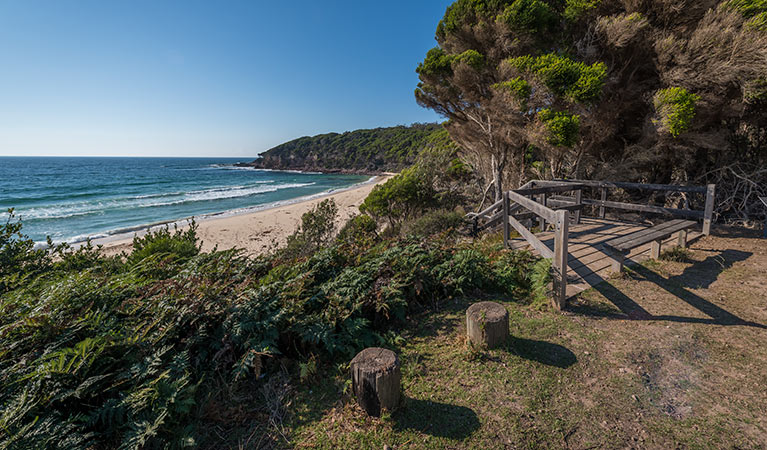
(72, 199)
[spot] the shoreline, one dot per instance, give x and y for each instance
(254, 229)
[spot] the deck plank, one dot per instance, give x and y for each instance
(588, 263)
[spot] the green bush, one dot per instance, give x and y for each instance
(177, 246)
(359, 231)
(575, 80)
(18, 257)
(401, 197)
(434, 222)
(563, 128)
(676, 108)
(529, 15)
(317, 228)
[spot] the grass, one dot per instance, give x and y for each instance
(589, 378)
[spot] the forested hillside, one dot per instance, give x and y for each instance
(376, 150)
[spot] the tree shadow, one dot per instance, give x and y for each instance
(436, 419)
(543, 352)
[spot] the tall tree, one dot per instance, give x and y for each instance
(647, 90)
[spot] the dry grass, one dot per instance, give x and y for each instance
(674, 355)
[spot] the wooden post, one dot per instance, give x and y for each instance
(709, 212)
(561, 235)
(616, 261)
(541, 220)
(682, 239)
(655, 249)
(376, 380)
(487, 324)
(506, 225)
(578, 200)
(603, 194)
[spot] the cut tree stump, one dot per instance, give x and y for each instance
(376, 380)
(487, 324)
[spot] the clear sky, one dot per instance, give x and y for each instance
(205, 78)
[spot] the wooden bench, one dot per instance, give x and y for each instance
(618, 248)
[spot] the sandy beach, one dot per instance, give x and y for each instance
(259, 231)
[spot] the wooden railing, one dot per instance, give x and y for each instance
(535, 200)
(518, 206)
(605, 186)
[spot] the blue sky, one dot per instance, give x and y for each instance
(204, 78)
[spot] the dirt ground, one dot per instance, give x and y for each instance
(672, 354)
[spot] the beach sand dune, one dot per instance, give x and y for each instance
(259, 231)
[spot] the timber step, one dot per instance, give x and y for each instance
(618, 247)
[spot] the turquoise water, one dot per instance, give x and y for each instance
(70, 199)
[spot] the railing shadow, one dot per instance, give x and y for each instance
(699, 275)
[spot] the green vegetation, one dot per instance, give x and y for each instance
(676, 108)
(170, 347)
(378, 150)
(567, 78)
(563, 128)
(624, 76)
(528, 15)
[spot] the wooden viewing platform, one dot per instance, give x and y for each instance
(588, 263)
(585, 250)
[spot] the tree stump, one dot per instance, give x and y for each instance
(487, 324)
(376, 380)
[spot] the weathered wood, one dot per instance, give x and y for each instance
(639, 186)
(655, 247)
(655, 233)
(682, 239)
(531, 238)
(487, 324)
(603, 195)
(650, 234)
(646, 208)
(541, 220)
(551, 189)
(671, 226)
(533, 206)
(506, 230)
(708, 213)
(616, 260)
(578, 202)
(559, 263)
(376, 380)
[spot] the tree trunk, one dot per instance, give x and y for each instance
(498, 175)
(376, 380)
(487, 324)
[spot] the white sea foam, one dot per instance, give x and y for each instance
(152, 200)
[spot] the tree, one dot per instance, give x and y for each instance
(503, 87)
(652, 90)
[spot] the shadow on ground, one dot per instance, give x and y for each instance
(436, 419)
(543, 352)
(700, 275)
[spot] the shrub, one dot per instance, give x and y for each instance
(317, 228)
(359, 231)
(574, 80)
(171, 247)
(401, 197)
(676, 108)
(563, 128)
(434, 222)
(528, 15)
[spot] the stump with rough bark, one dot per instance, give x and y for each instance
(487, 324)
(376, 380)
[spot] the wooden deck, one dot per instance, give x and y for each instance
(588, 264)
